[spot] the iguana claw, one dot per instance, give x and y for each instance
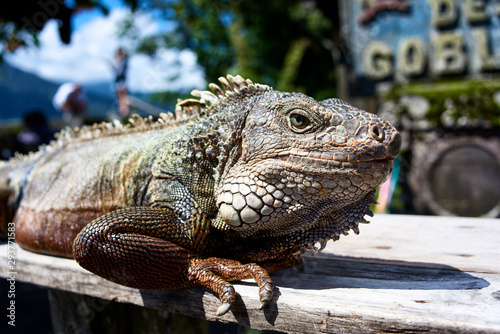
(223, 309)
(265, 293)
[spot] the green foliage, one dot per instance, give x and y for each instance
(20, 21)
(169, 99)
(199, 28)
(283, 43)
(291, 64)
(470, 99)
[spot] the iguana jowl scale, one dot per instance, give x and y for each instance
(238, 184)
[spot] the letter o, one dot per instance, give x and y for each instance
(411, 57)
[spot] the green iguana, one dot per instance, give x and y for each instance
(239, 183)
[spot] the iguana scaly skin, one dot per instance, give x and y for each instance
(238, 184)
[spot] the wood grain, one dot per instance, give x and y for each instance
(401, 274)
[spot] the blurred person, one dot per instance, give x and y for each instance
(71, 100)
(120, 64)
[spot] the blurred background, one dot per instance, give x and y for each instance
(430, 67)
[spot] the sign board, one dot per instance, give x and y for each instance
(405, 40)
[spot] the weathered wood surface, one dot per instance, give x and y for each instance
(401, 274)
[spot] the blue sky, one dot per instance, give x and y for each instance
(87, 16)
(93, 43)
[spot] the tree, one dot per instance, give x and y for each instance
(21, 20)
(289, 44)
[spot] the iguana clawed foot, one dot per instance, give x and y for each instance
(214, 273)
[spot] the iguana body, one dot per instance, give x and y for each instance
(239, 184)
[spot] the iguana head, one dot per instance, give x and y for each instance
(301, 168)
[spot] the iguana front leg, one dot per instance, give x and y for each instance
(147, 248)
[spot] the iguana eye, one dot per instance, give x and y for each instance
(298, 121)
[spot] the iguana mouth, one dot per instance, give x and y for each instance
(322, 162)
(361, 156)
(342, 156)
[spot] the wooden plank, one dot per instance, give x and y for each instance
(469, 244)
(354, 290)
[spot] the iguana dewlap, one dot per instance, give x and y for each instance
(238, 184)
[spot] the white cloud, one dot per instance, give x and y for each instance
(86, 59)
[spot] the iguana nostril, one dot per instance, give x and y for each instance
(376, 132)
